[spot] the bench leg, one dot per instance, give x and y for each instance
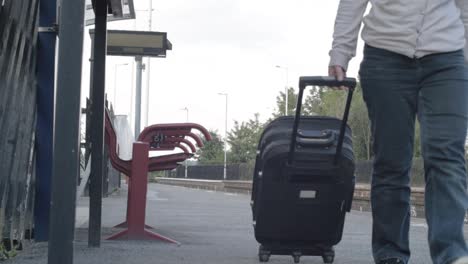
(136, 211)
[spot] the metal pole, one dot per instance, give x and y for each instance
(287, 92)
(140, 66)
(97, 124)
(148, 72)
(186, 119)
(45, 118)
(225, 136)
(115, 85)
(65, 168)
(150, 20)
(132, 96)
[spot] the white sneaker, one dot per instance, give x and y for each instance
(462, 260)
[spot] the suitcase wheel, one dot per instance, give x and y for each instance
(328, 257)
(296, 256)
(263, 255)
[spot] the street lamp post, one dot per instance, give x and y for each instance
(225, 134)
(186, 120)
(115, 84)
(285, 89)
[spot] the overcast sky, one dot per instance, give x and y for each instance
(229, 46)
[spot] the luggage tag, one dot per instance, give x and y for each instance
(307, 194)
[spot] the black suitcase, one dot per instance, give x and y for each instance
(303, 181)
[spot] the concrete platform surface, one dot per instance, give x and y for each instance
(212, 227)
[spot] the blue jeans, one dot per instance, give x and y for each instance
(435, 88)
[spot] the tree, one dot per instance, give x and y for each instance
(332, 103)
(292, 102)
(312, 104)
(212, 151)
(360, 125)
(328, 102)
(280, 101)
(243, 140)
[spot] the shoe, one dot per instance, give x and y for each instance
(398, 261)
(462, 260)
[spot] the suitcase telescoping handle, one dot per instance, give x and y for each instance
(350, 83)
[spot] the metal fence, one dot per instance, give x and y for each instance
(215, 172)
(363, 172)
(18, 35)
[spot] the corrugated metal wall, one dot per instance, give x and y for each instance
(18, 34)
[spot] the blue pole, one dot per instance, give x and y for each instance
(45, 115)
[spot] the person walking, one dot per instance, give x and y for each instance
(413, 65)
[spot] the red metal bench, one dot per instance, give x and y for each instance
(153, 138)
